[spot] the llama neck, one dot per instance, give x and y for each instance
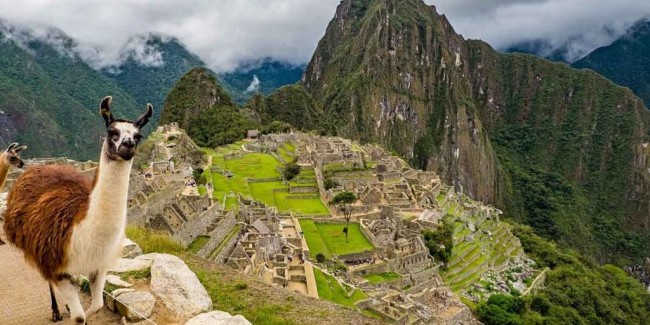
(4, 171)
(109, 196)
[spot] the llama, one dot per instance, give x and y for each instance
(67, 224)
(8, 159)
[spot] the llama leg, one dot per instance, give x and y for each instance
(56, 315)
(68, 293)
(97, 281)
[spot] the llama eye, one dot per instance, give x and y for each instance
(137, 138)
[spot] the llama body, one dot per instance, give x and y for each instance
(67, 224)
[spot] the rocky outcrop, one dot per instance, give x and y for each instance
(178, 287)
(217, 318)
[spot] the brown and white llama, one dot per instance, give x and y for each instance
(9, 158)
(67, 224)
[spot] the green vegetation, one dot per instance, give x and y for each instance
(575, 292)
(271, 74)
(625, 61)
(234, 293)
(152, 84)
(290, 104)
(49, 100)
(381, 277)
(291, 170)
(440, 242)
(198, 243)
(330, 289)
(153, 242)
(204, 109)
(328, 239)
(252, 166)
(551, 146)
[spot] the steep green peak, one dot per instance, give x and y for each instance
(194, 93)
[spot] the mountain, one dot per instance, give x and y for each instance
(562, 150)
(291, 104)
(201, 106)
(264, 77)
(542, 48)
(149, 81)
(49, 97)
(626, 61)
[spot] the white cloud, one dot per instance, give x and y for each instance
(254, 86)
(579, 24)
(225, 33)
(221, 32)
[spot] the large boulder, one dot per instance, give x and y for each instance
(135, 305)
(178, 287)
(218, 318)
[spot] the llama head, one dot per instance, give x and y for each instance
(123, 136)
(11, 157)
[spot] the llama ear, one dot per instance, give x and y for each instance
(11, 146)
(144, 119)
(105, 110)
(19, 149)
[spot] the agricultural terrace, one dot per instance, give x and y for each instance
(257, 176)
(329, 239)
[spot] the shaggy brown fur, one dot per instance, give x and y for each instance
(50, 200)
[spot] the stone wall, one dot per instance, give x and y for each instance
(191, 229)
(218, 234)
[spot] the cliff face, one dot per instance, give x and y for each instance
(563, 149)
(392, 71)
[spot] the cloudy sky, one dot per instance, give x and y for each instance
(225, 33)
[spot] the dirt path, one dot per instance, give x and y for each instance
(24, 295)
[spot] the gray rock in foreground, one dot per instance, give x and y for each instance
(135, 305)
(178, 287)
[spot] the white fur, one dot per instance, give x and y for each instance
(127, 131)
(96, 241)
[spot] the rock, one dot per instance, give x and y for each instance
(139, 263)
(519, 286)
(135, 305)
(217, 318)
(130, 249)
(471, 227)
(109, 301)
(117, 281)
(178, 287)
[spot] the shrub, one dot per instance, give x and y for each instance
(291, 170)
(320, 258)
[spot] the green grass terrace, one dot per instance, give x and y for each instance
(248, 168)
(329, 239)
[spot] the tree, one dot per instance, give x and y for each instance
(320, 258)
(291, 170)
(277, 127)
(440, 241)
(196, 174)
(343, 201)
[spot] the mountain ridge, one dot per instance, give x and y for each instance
(396, 72)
